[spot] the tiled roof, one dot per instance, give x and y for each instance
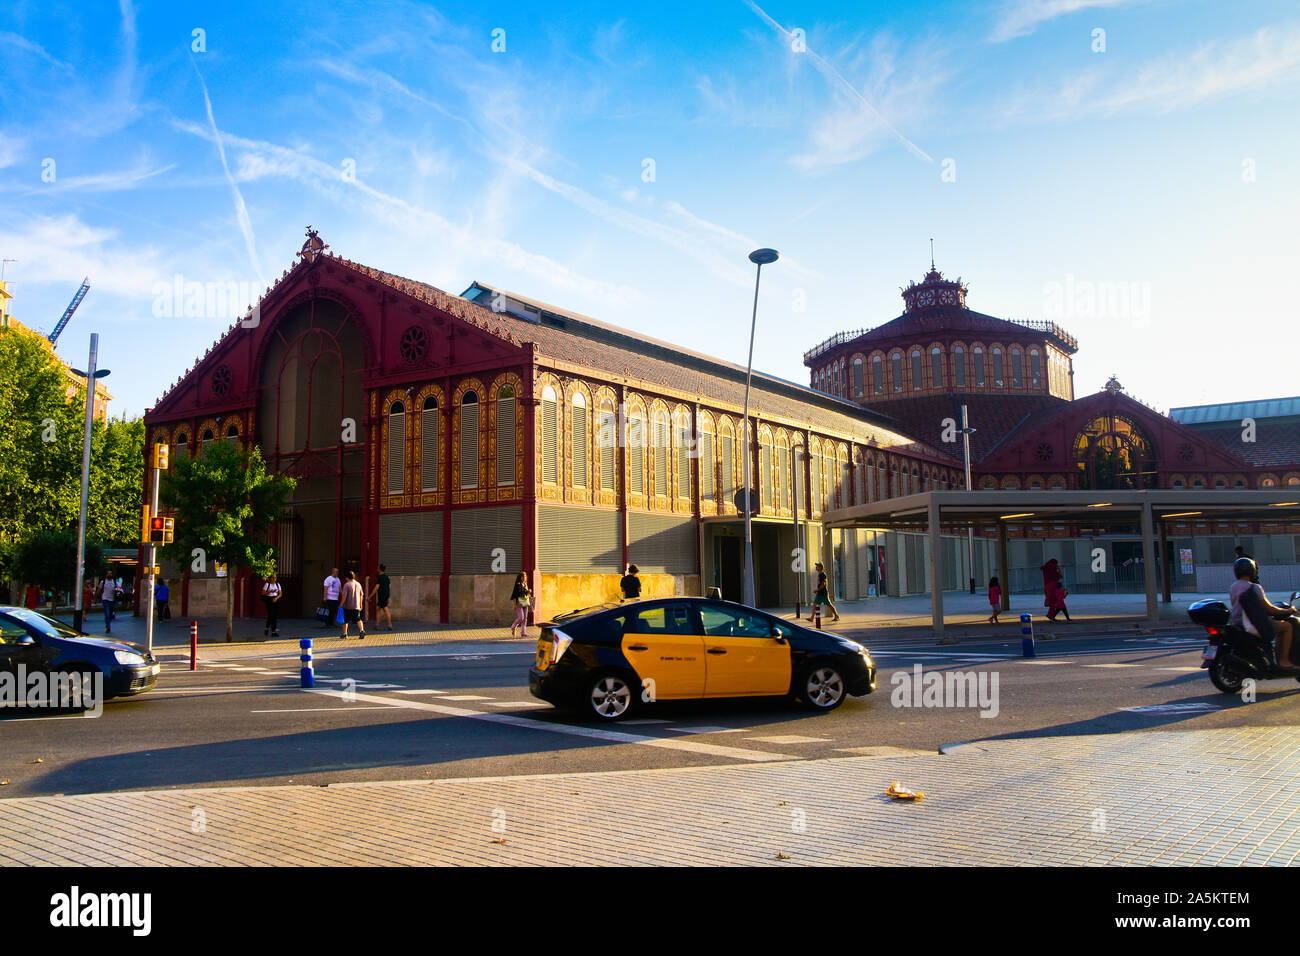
(1236, 411)
(992, 417)
(1276, 445)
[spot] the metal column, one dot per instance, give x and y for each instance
(936, 567)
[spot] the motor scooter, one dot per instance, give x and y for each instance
(1234, 655)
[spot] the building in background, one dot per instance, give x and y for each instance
(76, 384)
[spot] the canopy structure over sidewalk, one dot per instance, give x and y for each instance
(1151, 509)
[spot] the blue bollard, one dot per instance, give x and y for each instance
(1027, 632)
(308, 672)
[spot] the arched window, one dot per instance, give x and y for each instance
(815, 480)
(1017, 374)
(783, 469)
(896, 360)
(182, 445)
(579, 439)
(660, 452)
(232, 436)
(978, 355)
(1035, 369)
(1291, 482)
(429, 445)
(916, 369)
(857, 377)
(1198, 483)
(607, 441)
(1178, 484)
(683, 450)
(959, 367)
(998, 380)
(550, 437)
(396, 448)
(936, 368)
(636, 452)
(469, 440)
(506, 436)
(207, 440)
(877, 375)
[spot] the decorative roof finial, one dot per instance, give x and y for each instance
(932, 253)
(1113, 385)
(313, 247)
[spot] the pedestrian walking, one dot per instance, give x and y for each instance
(523, 599)
(331, 588)
(106, 596)
(271, 598)
(161, 596)
(631, 584)
(353, 603)
(380, 594)
(1054, 592)
(823, 594)
(995, 599)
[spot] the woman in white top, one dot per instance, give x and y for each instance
(271, 598)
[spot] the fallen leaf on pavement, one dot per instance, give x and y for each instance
(898, 793)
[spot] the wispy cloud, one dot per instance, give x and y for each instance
(412, 219)
(113, 181)
(869, 117)
(241, 210)
(22, 43)
(1268, 57)
(1022, 17)
(64, 249)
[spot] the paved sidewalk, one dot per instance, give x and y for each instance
(1207, 797)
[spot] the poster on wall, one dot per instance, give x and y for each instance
(1185, 561)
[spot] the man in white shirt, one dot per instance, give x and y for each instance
(332, 586)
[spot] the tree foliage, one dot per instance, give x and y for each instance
(224, 502)
(48, 559)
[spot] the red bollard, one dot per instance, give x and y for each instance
(817, 615)
(194, 645)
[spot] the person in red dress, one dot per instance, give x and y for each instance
(1053, 591)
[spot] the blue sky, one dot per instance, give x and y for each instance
(1144, 195)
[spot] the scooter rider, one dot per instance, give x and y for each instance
(1252, 610)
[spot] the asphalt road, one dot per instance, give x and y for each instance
(454, 714)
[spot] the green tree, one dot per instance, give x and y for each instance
(225, 501)
(40, 440)
(48, 559)
(116, 482)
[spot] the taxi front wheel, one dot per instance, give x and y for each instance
(821, 687)
(610, 696)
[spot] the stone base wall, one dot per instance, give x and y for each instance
(207, 597)
(412, 597)
(565, 592)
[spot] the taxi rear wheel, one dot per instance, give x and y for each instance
(610, 696)
(821, 686)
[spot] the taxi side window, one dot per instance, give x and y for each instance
(668, 619)
(725, 622)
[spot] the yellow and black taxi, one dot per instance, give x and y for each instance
(608, 661)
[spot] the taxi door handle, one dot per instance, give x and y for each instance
(637, 647)
(717, 650)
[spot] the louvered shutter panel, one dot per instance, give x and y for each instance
(469, 445)
(783, 477)
(636, 454)
(728, 470)
(708, 487)
(765, 475)
(579, 446)
(506, 441)
(578, 540)
(396, 452)
(683, 462)
(661, 457)
(608, 442)
(429, 450)
(815, 482)
(550, 471)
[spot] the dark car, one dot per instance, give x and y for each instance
(41, 644)
(610, 660)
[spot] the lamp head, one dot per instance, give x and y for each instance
(763, 257)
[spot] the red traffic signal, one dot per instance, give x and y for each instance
(161, 530)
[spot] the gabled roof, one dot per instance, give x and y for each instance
(992, 416)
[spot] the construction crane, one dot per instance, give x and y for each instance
(72, 307)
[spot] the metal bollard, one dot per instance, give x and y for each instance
(194, 645)
(308, 672)
(817, 615)
(1027, 634)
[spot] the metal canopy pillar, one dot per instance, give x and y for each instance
(1148, 561)
(1003, 575)
(936, 567)
(1166, 564)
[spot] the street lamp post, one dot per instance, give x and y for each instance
(90, 375)
(966, 432)
(795, 451)
(760, 258)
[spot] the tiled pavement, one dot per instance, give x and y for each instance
(1223, 796)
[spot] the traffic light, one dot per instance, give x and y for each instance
(160, 456)
(145, 525)
(161, 530)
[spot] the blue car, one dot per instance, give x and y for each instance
(39, 644)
